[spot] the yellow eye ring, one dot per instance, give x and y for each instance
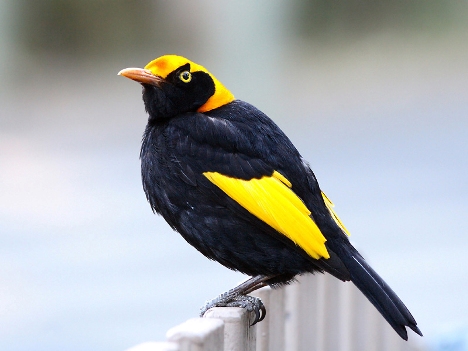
(185, 76)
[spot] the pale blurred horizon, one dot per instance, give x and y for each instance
(377, 103)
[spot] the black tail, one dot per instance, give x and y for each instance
(379, 293)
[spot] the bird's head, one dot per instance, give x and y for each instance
(173, 84)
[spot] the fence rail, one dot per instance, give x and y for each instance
(316, 313)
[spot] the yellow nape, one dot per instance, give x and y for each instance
(330, 206)
(271, 200)
(164, 65)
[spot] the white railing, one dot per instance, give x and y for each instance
(317, 313)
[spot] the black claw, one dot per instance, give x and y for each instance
(263, 309)
(257, 316)
(260, 313)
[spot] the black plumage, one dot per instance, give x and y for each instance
(188, 135)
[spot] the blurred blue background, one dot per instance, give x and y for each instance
(373, 93)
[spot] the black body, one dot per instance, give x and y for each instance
(240, 141)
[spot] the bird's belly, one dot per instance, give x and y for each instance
(249, 246)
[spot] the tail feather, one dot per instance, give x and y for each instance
(380, 294)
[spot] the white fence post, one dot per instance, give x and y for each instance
(323, 313)
(271, 331)
(301, 305)
(317, 313)
(198, 334)
(238, 334)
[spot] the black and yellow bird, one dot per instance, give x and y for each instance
(233, 185)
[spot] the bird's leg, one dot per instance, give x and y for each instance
(256, 287)
(237, 297)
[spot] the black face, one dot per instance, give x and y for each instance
(182, 91)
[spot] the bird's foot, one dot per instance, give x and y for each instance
(250, 303)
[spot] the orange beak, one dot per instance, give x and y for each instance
(141, 75)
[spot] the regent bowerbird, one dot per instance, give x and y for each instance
(226, 177)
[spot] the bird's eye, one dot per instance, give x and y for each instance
(185, 76)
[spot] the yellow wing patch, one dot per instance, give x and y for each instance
(271, 200)
(330, 206)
